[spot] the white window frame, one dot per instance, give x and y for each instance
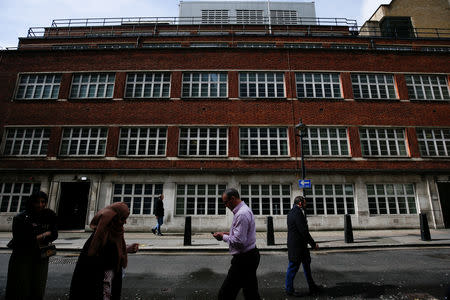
(131, 198)
(283, 17)
(318, 83)
(434, 142)
(37, 84)
(131, 138)
(393, 137)
(36, 136)
(68, 137)
(249, 16)
(101, 83)
(138, 83)
(279, 139)
(17, 191)
(427, 87)
(255, 45)
(248, 195)
(215, 16)
(374, 85)
(333, 135)
(193, 82)
(328, 197)
(303, 45)
(181, 199)
(190, 137)
(398, 191)
(254, 80)
(161, 45)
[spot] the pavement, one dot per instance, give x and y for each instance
(73, 241)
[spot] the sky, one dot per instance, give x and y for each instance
(17, 16)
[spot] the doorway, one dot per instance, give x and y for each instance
(73, 202)
(444, 197)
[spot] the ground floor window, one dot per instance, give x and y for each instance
(200, 199)
(267, 199)
(391, 199)
(14, 195)
(330, 199)
(139, 197)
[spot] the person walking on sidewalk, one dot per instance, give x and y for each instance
(242, 243)
(298, 252)
(159, 213)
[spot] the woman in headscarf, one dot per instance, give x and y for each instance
(32, 229)
(98, 273)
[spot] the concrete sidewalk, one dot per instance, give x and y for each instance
(204, 242)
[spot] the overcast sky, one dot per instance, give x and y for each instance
(16, 16)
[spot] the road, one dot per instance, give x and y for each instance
(422, 273)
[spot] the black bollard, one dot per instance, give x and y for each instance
(348, 230)
(424, 229)
(270, 233)
(187, 232)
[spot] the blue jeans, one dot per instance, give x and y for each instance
(158, 224)
(292, 271)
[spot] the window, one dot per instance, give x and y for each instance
(434, 142)
(139, 197)
(393, 48)
(391, 199)
(200, 199)
(203, 141)
(302, 45)
(92, 85)
(70, 47)
(283, 17)
(42, 86)
(267, 199)
(320, 141)
(208, 45)
(84, 141)
(161, 45)
(147, 85)
(435, 49)
(261, 85)
(26, 141)
(116, 46)
(256, 45)
(349, 46)
(330, 199)
(205, 85)
(427, 87)
(373, 86)
(263, 141)
(215, 16)
(383, 142)
(14, 195)
(142, 141)
(317, 85)
(244, 16)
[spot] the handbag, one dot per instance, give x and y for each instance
(48, 250)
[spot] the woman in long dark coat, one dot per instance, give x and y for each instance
(98, 273)
(27, 270)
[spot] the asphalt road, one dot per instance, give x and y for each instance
(422, 273)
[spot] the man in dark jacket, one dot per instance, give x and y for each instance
(298, 252)
(159, 214)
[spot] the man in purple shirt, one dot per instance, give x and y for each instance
(242, 243)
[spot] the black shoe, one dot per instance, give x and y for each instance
(154, 230)
(293, 294)
(160, 234)
(315, 289)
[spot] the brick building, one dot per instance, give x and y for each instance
(101, 110)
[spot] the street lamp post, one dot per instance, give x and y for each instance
(301, 128)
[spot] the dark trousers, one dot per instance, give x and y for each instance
(160, 221)
(292, 271)
(242, 274)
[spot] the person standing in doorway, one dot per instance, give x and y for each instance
(159, 214)
(242, 243)
(298, 252)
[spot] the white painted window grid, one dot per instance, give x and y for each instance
(318, 85)
(256, 45)
(38, 86)
(116, 46)
(349, 46)
(330, 199)
(393, 48)
(427, 87)
(267, 199)
(391, 199)
(147, 85)
(434, 142)
(211, 141)
(26, 141)
(200, 199)
(142, 141)
(373, 86)
(215, 16)
(263, 141)
(161, 45)
(140, 197)
(92, 85)
(261, 85)
(13, 195)
(84, 141)
(70, 47)
(435, 49)
(323, 141)
(247, 16)
(205, 85)
(283, 17)
(383, 142)
(303, 45)
(208, 45)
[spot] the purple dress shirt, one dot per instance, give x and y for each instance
(242, 236)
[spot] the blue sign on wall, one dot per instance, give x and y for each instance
(304, 184)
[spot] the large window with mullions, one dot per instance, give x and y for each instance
(391, 199)
(92, 85)
(318, 85)
(147, 85)
(13, 195)
(203, 141)
(373, 86)
(38, 86)
(267, 199)
(140, 197)
(330, 199)
(83, 141)
(200, 199)
(323, 141)
(263, 141)
(261, 85)
(204, 85)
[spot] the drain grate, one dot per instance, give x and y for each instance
(61, 260)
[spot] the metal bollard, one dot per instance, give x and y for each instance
(187, 232)
(424, 229)
(270, 233)
(348, 230)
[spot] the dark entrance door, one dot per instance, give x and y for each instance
(73, 203)
(444, 197)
